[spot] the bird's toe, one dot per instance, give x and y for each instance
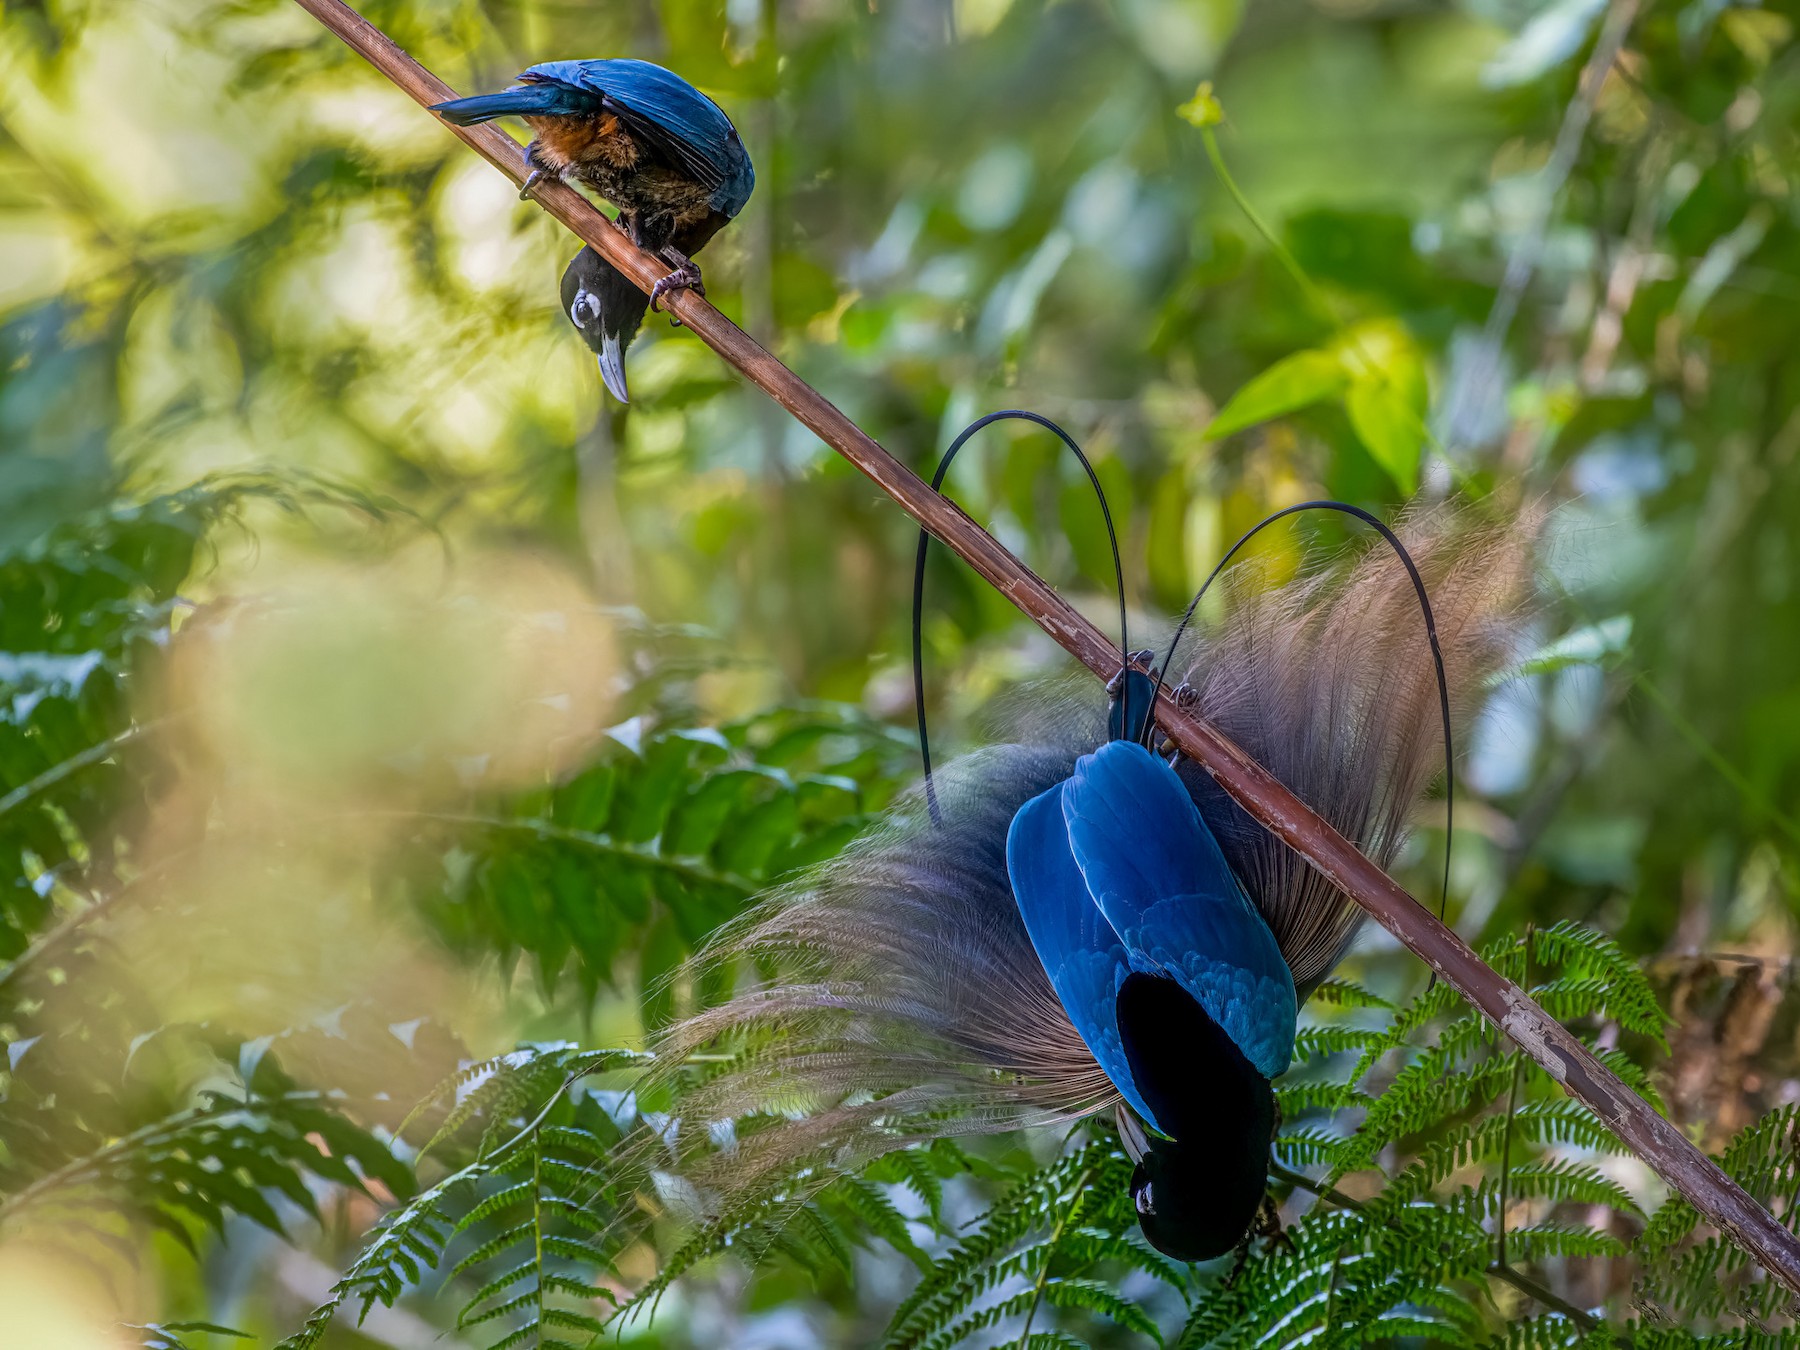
(685, 277)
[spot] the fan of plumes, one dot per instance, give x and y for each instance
(1328, 683)
(905, 999)
(898, 996)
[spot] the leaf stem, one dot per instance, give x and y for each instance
(1037, 1290)
(1314, 296)
(537, 1217)
(1696, 740)
(1506, 1135)
(597, 843)
(74, 764)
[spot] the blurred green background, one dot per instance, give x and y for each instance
(354, 641)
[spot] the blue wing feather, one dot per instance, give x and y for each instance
(1159, 879)
(1081, 953)
(669, 104)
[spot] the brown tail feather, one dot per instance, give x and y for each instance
(1328, 683)
(907, 1002)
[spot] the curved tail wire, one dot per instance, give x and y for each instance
(918, 605)
(1431, 633)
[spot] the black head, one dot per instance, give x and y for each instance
(607, 309)
(1196, 1194)
(1193, 1206)
(581, 286)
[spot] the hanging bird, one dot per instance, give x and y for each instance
(1171, 978)
(1071, 925)
(649, 142)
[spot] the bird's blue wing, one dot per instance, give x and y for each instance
(1158, 877)
(675, 120)
(1081, 954)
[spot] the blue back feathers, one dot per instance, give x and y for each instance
(1114, 871)
(1081, 953)
(1157, 875)
(662, 99)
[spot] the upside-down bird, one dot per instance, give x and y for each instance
(649, 142)
(1079, 924)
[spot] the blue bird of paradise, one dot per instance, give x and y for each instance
(1080, 921)
(1167, 970)
(1170, 976)
(649, 142)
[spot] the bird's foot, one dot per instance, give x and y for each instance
(532, 179)
(1240, 1257)
(1267, 1224)
(685, 277)
(1133, 661)
(1185, 696)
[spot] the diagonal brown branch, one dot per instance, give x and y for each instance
(1626, 1114)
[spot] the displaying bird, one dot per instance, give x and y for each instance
(1171, 978)
(649, 142)
(1072, 924)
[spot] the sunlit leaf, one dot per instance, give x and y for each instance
(1386, 398)
(1292, 383)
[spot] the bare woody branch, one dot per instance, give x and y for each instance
(1683, 1166)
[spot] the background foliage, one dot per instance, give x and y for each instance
(376, 700)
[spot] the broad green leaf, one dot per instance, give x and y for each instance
(1386, 398)
(1389, 429)
(1292, 383)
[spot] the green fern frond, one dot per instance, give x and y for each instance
(1696, 1274)
(1543, 1242)
(1298, 1099)
(1547, 1331)
(1092, 1246)
(876, 1212)
(1447, 1099)
(1079, 1203)
(1424, 1093)
(1307, 1146)
(1559, 1181)
(1629, 998)
(170, 1335)
(1315, 1042)
(390, 1260)
(1343, 993)
(923, 1171)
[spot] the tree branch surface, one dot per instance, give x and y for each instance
(1682, 1165)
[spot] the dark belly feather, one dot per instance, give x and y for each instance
(660, 205)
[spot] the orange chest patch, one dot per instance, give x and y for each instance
(567, 143)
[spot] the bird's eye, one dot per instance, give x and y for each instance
(584, 308)
(1146, 1203)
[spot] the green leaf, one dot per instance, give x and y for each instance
(1292, 383)
(1386, 396)
(1390, 429)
